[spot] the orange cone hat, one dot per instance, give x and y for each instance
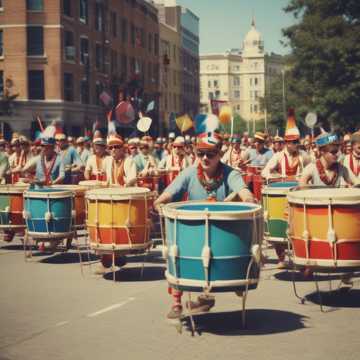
(292, 132)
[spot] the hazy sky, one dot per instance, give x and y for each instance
(224, 23)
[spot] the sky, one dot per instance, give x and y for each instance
(224, 23)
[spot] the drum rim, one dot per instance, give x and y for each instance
(98, 194)
(170, 211)
(296, 196)
(268, 190)
(92, 183)
(13, 189)
(69, 187)
(48, 195)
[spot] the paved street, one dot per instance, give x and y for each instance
(48, 310)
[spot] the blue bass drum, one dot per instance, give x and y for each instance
(213, 246)
(48, 212)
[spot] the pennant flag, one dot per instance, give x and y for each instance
(206, 123)
(106, 98)
(150, 107)
(40, 123)
(51, 130)
(216, 105)
(184, 123)
(124, 112)
(111, 123)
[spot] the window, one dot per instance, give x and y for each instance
(34, 5)
(67, 8)
(217, 94)
(1, 43)
(256, 94)
(150, 73)
(150, 42)
(251, 81)
(35, 41)
(98, 56)
(98, 90)
(174, 52)
(251, 108)
(216, 83)
(124, 65)
(1, 4)
(113, 63)
(84, 11)
(209, 84)
(132, 34)
(211, 96)
(255, 81)
(36, 85)
(70, 50)
(238, 107)
(255, 108)
(1, 84)
(237, 94)
(99, 17)
(84, 51)
(236, 81)
(68, 87)
(114, 24)
(156, 44)
(124, 31)
(84, 92)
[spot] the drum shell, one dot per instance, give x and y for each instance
(60, 206)
(118, 225)
(319, 250)
(149, 182)
(11, 208)
(274, 200)
(230, 242)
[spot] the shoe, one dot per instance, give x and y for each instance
(100, 269)
(175, 312)
(203, 304)
(120, 261)
(281, 265)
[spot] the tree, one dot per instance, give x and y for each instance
(325, 59)
(240, 125)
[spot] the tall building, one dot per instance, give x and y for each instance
(239, 77)
(170, 64)
(186, 24)
(58, 56)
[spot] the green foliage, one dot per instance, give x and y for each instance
(324, 66)
(240, 125)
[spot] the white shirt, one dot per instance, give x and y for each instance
(129, 170)
(91, 165)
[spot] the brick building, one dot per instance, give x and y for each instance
(57, 56)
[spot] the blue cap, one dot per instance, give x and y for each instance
(326, 139)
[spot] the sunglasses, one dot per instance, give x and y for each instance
(114, 147)
(208, 154)
(334, 152)
(143, 147)
(295, 142)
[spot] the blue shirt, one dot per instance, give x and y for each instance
(57, 170)
(187, 182)
(259, 159)
(69, 157)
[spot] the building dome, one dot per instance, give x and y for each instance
(253, 43)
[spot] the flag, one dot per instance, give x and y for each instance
(124, 112)
(40, 123)
(96, 125)
(216, 105)
(184, 123)
(111, 123)
(172, 121)
(150, 106)
(106, 98)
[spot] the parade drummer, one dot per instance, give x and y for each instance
(291, 161)
(146, 164)
(352, 160)
(278, 144)
(233, 157)
(17, 159)
(177, 159)
(69, 157)
(49, 167)
(95, 165)
(4, 166)
(133, 145)
(83, 152)
(159, 153)
(209, 180)
(189, 151)
(259, 155)
(327, 170)
(120, 170)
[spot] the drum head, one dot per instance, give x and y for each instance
(115, 193)
(325, 196)
(13, 189)
(279, 188)
(212, 210)
(90, 184)
(73, 188)
(47, 192)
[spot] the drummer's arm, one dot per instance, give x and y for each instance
(237, 185)
(306, 176)
(130, 172)
(61, 177)
(246, 195)
(350, 178)
(270, 167)
(87, 172)
(164, 198)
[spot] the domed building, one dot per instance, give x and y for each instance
(239, 76)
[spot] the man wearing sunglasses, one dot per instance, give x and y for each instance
(120, 170)
(352, 160)
(259, 155)
(327, 170)
(146, 164)
(95, 165)
(211, 180)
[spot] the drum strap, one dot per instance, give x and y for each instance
(324, 178)
(356, 170)
(47, 170)
(118, 172)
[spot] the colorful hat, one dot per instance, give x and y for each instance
(98, 139)
(48, 141)
(172, 135)
(207, 131)
(260, 136)
(235, 140)
(326, 139)
(292, 132)
(80, 140)
(179, 141)
(278, 138)
(60, 137)
(134, 141)
(114, 139)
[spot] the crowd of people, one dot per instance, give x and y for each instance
(211, 166)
